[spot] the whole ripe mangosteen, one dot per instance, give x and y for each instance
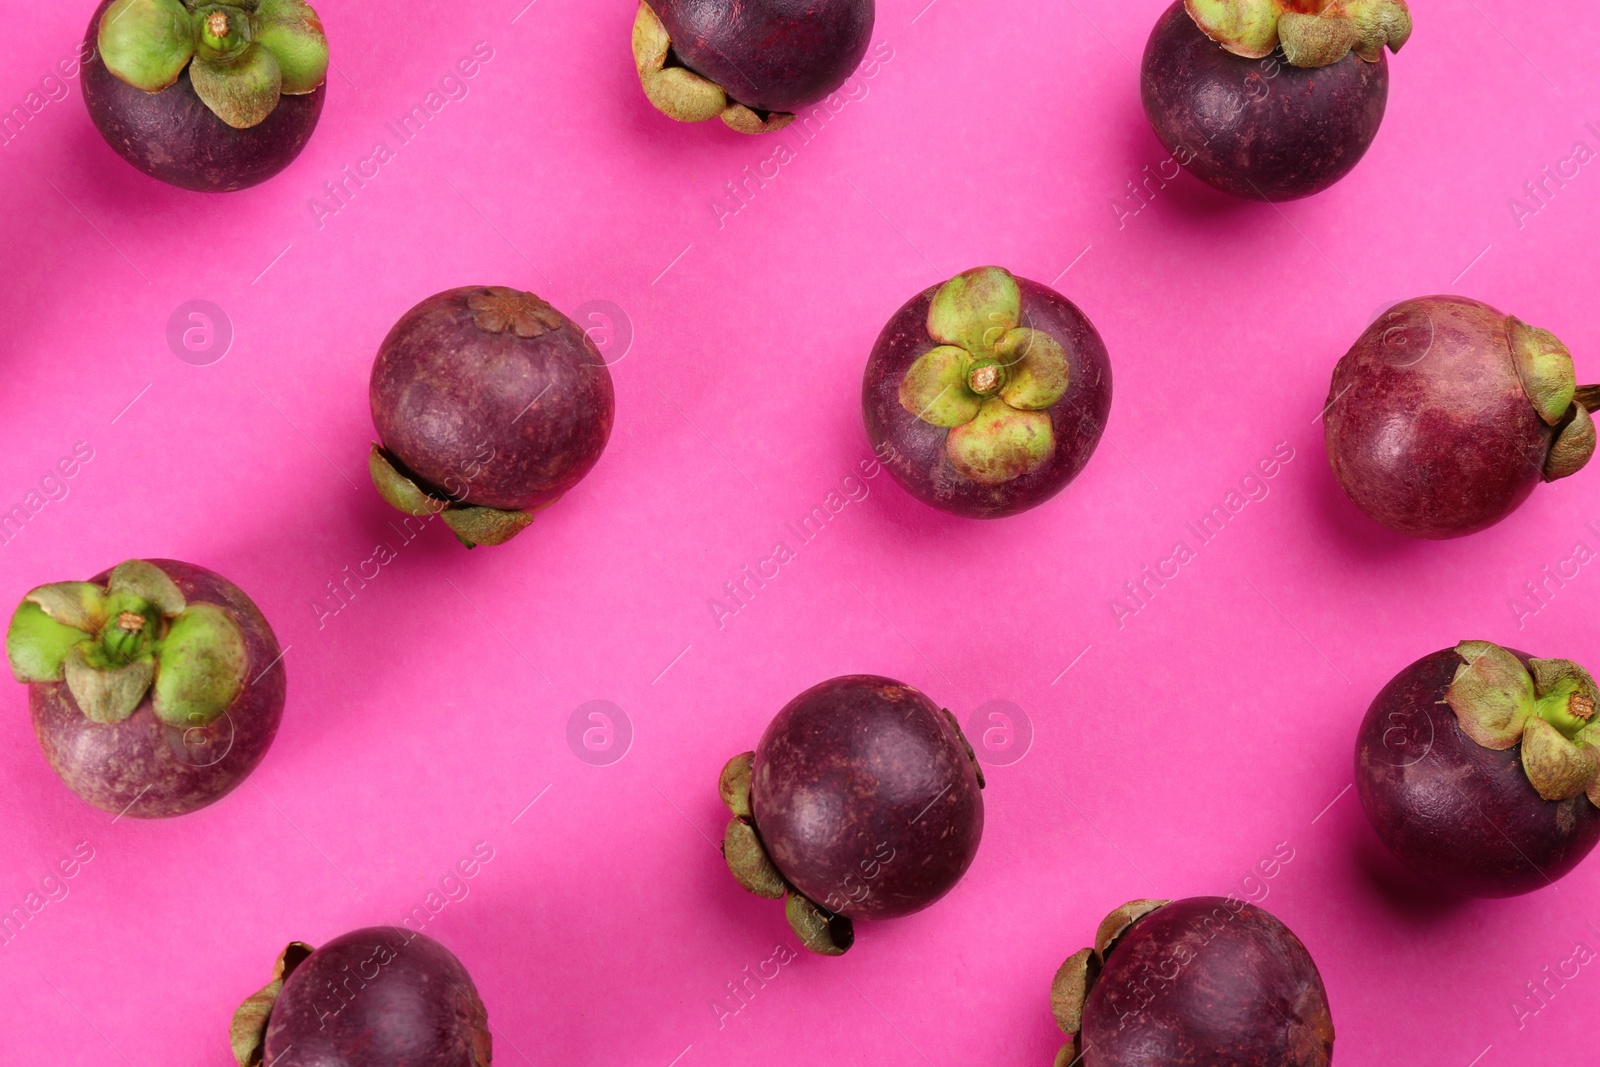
(489, 404)
(861, 801)
(1479, 767)
(1445, 414)
(1203, 982)
(986, 395)
(752, 63)
(1270, 99)
(379, 997)
(210, 95)
(155, 687)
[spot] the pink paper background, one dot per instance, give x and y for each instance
(1181, 750)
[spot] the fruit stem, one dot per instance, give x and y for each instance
(1568, 708)
(1589, 397)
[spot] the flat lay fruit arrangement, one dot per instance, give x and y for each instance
(699, 532)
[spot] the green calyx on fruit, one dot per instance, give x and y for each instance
(473, 525)
(242, 55)
(112, 645)
(1549, 710)
(989, 381)
(1312, 33)
(248, 1031)
(1070, 989)
(680, 93)
(819, 930)
(1544, 365)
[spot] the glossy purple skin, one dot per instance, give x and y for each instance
(379, 997)
(145, 769)
(1207, 982)
(770, 55)
(445, 394)
(172, 136)
(913, 450)
(1461, 816)
(1258, 128)
(865, 798)
(1428, 427)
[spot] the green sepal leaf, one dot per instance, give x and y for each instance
(976, 309)
(1071, 988)
(247, 1033)
(1491, 694)
(748, 861)
(1573, 447)
(149, 583)
(241, 90)
(485, 526)
(1559, 769)
(108, 693)
(1379, 23)
(80, 605)
(146, 43)
(733, 785)
(1001, 443)
(37, 645)
(203, 662)
(1114, 925)
(1316, 40)
(1545, 367)
(1036, 369)
(819, 931)
(291, 31)
(677, 92)
(400, 492)
(1247, 28)
(935, 388)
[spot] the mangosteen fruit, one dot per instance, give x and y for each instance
(1204, 982)
(1445, 414)
(861, 801)
(155, 687)
(489, 404)
(210, 95)
(1479, 767)
(379, 997)
(986, 395)
(1270, 99)
(751, 63)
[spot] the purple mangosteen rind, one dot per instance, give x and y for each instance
(1470, 766)
(689, 55)
(1247, 960)
(986, 395)
(166, 127)
(439, 1020)
(1490, 408)
(820, 928)
(489, 404)
(155, 687)
(1247, 120)
(241, 56)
